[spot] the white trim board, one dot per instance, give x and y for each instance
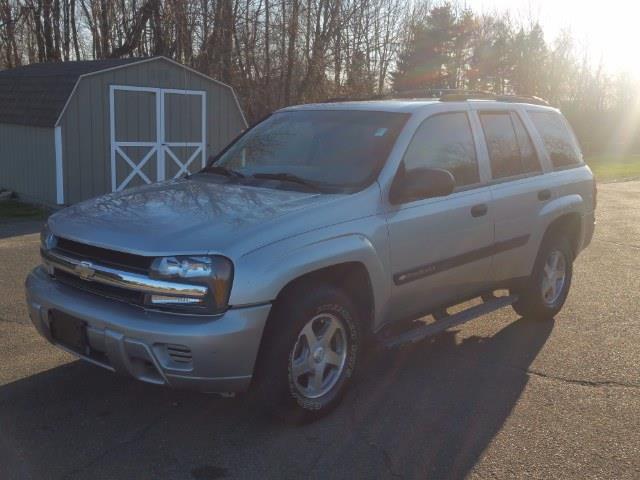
(57, 133)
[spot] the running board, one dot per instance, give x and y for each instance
(491, 304)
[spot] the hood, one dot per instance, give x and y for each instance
(195, 215)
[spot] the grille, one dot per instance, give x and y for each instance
(104, 256)
(108, 291)
(179, 353)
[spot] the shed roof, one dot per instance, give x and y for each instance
(36, 94)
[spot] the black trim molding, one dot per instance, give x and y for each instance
(453, 262)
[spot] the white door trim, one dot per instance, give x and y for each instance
(201, 147)
(160, 147)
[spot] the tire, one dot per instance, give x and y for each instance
(537, 300)
(295, 347)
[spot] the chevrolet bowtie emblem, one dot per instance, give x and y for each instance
(84, 270)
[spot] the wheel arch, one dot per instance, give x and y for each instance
(348, 261)
(568, 224)
(351, 277)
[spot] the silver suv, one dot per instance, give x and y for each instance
(320, 228)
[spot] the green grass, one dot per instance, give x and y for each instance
(15, 209)
(609, 168)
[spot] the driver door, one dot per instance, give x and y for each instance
(441, 247)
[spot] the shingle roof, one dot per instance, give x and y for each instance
(36, 94)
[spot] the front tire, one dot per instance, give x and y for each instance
(309, 352)
(545, 292)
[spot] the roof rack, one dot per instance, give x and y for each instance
(479, 95)
(447, 95)
(369, 98)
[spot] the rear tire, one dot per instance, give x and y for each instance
(545, 291)
(309, 353)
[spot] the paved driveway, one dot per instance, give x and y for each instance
(500, 397)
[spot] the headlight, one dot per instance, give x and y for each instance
(47, 242)
(47, 238)
(214, 271)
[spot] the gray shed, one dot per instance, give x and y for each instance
(74, 130)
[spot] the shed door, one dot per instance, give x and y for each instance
(156, 134)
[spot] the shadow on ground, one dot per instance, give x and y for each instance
(425, 411)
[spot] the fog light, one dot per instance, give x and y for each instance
(166, 300)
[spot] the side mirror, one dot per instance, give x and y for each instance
(422, 183)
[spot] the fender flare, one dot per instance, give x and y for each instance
(569, 204)
(262, 274)
(560, 206)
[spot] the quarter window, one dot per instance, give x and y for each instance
(559, 141)
(445, 141)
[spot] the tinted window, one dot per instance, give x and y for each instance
(445, 141)
(504, 151)
(557, 138)
(510, 149)
(330, 148)
(530, 161)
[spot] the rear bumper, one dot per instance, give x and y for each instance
(207, 353)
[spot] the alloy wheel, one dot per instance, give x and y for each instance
(554, 277)
(319, 355)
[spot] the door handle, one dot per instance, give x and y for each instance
(479, 210)
(544, 195)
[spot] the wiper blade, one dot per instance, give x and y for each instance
(227, 172)
(288, 177)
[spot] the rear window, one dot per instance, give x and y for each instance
(558, 139)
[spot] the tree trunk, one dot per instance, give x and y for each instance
(74, 28)
(47, 31)
(291, 50)
(66, 43)
(104, 28)
(57, 39)
(132, 40)
(267, 47)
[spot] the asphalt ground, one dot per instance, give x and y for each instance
(500, 397)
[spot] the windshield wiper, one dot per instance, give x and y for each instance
(288, 177)
(227, 172)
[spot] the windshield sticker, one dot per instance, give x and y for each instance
(381, 132)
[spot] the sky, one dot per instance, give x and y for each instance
(609, 30)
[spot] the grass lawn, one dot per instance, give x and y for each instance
(15, 209)
(609, 168)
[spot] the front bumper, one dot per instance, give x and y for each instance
(207, 353)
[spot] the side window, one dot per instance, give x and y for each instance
(445, 141)
(557, 138)
(504, 151)
(530, 161)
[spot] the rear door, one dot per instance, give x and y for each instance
(518, 188)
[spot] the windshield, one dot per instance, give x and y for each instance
(337, 149)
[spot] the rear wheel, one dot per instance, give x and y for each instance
(545, 292)
(309, 352)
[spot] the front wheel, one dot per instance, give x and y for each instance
(545, 292)
(309, 352)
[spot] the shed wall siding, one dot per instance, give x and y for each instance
(28, 162)
(86, 129)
